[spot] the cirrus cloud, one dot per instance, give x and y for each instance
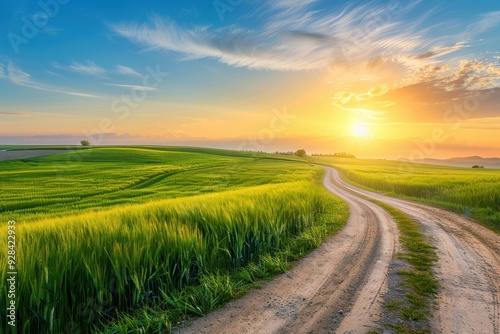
(89, 68)
(304, 39)
(19, 77)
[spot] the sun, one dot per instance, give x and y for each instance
(360, 130)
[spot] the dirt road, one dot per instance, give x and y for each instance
(468, 269)
(340, 286)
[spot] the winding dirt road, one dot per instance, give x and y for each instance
(339, 287)
(468, 269)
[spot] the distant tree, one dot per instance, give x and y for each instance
(85, 143)
(477, 166)
(342, 155)
(301, 153)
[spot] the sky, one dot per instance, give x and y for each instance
(379, 79)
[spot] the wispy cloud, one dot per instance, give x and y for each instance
(18, 76)
(438, 51)
(90, 68)
(367, 51)
(485, 22)
(33, 114)
(304, 42)
(134, 87)
(21, 78)
(15, 114)
(125, 70)
(306, 39)
(233, 46)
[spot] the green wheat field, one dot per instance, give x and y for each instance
(105, 233)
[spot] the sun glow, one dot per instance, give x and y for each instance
(360, 130)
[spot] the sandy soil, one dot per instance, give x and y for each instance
(337, 288)
(8, 155)
(468, 271)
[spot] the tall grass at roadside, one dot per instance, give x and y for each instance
(215, 289)
(78, 270)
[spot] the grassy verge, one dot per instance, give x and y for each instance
(214, 289)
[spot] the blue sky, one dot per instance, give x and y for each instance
(67, 65)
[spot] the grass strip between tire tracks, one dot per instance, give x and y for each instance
(419, 281)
